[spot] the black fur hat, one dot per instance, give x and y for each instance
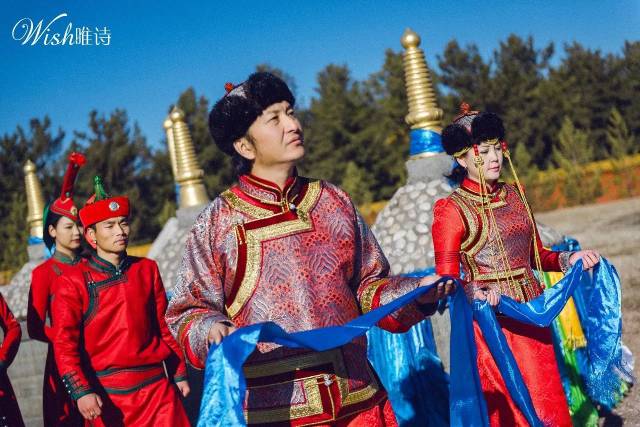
(231, 116)
(487, 126)
(471, 127)
(454, 138)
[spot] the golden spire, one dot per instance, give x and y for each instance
(171, 148)
(189, 175)
(35, 201)
(423, 110)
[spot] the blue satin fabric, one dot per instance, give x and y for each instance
(424, 141)
(468, 406)
(603, 330)
(411, 371)
(467, 403)
(602, 385)
(224, 382)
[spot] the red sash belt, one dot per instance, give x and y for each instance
(128, 380)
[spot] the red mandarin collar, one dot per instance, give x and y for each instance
(474, 187)
(266, 190)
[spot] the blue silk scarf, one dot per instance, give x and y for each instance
(225, 385)
(411, 372)
(467, 406)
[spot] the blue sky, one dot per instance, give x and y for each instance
(159, 48)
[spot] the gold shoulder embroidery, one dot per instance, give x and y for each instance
(255, 237)
(245, 207)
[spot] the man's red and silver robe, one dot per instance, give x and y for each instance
(303, 258)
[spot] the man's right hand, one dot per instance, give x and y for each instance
(218, 331)
(89, 406)
(437, 293)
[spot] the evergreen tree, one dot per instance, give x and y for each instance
(14, 233)
(353, 183)
(384, 140)
(466, 76)
(120, 155)
(626, 80)
(572, 153)
(621, 142)
(335, 118)
(40, 145)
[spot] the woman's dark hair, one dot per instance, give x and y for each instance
(457, 174)
(52, 219)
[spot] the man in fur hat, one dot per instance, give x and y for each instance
(284, 248)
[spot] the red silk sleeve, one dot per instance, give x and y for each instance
(447, 232)
(67, 310)
(12, 334)
(375, 287)
(38, 305)
(175, 364)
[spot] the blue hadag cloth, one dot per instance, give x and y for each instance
(225, 384)
(424, 141)
(468, 406)
(411, 371)
(412, 374)
(603, 330)
(602, 385)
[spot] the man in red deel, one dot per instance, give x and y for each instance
(112, 345)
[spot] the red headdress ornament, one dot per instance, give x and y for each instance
(63, 205)
(101, 207)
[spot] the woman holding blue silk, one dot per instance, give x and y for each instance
(487, 227)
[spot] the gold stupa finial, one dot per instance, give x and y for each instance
(189, 175)
(171, 147)
(35, 201)
(423, 109)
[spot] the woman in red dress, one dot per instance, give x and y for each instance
(486, 227)
(60, 229)
(9, 411)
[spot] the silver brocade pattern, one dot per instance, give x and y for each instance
(308, 279)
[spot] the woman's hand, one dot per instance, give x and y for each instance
(589, 258)
(489, 295)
